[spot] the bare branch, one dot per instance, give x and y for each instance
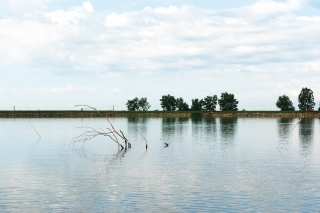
(92, 133)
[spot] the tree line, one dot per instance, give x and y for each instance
(305, 99)
(227, 102)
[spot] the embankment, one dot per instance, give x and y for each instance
(89, 114)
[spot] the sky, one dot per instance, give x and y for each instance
(55, 54)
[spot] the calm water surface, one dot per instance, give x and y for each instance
(211, 165)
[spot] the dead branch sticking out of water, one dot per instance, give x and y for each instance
(34, 129)
(144, 139)
(165, 144)
(290, 131)
(110, 132)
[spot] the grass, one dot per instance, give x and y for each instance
(139, 112)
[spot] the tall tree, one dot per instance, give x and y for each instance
(138, 105)
(197, 104)
(133, 105)
(168, 103)
(306, 99)
(181, 105)
(210, 103)
(143, 104)
(284, 103)
(227, 102)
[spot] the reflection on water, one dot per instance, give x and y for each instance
(200, 176)
(228, 131)
(306, 129)
(137, 126)
(204, 130)
(174, 129)
(284, 126)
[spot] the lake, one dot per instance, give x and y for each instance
(210, 165)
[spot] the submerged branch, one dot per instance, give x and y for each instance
(144, 139)
(91, 133)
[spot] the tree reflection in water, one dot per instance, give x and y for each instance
(174, 129)
(285, 126)
(228, 127)
(204, 130)
(306, 135)
(137, 125)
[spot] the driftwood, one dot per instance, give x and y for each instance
(110, 132)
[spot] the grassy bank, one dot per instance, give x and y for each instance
(84, 114)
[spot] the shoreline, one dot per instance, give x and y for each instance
(155, 114)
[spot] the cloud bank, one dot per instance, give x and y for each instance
(258, 51)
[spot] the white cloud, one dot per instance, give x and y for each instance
(115, 90)
(73, 15)
(27, 6)
(68, 88)
(37, 90)
(234, 49)
(164, 37)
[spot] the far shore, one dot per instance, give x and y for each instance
(186, 114)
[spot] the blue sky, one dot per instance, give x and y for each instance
(55, 54)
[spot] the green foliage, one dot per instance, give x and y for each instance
(306, 99)
(284, 103)
(133, 104)
(197, 105)
(227, 102)
(143, 104)
(168, 103)
(181, 105)
(210, 103)
(138, 105)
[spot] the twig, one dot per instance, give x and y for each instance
(112, 134)
(144, 139)
(166, 144)
(34, 129)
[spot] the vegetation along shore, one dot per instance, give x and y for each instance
(92, 114)
(177, 107)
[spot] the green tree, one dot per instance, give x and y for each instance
(143, 104)
(227, 102)
(210, 103)
(196, 104)
(168, 103)
(284, 103)
(133, 105)
(181, 105)
(138, 105)
(306, 99)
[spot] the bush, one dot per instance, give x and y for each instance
(138, 105)
(197, 105)
(210, 103)
(227, 102)
(284, 103)
(168, 103)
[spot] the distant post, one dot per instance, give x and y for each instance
(14, 108)
(113, 108)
